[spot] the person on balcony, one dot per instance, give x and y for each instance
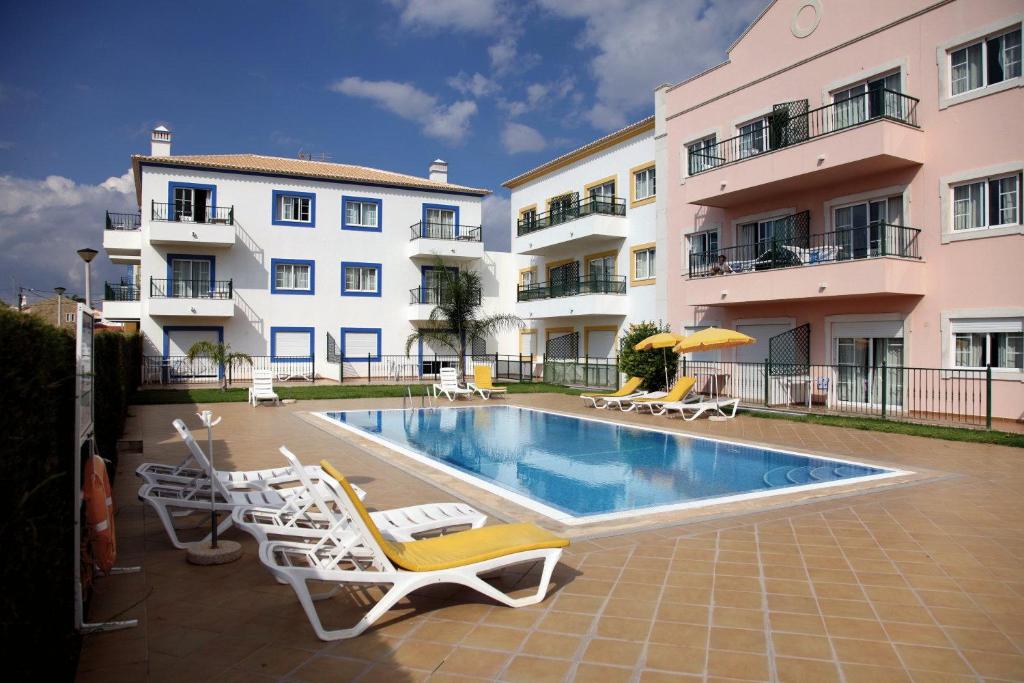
(721, 267)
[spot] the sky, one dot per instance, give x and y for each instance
(495, 87)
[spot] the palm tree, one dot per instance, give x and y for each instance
(457, 319)
(219, 353)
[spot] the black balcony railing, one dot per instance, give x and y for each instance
(433, 295)
(123, 221)
(190, 289)
(608, 284)
(193, 213)
(120, 291)
(444, 231)
(609, 206)
(792, 123)
(870, 241)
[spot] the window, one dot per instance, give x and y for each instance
(440, 222)
(753, 137)
(601, 268)
(867, 100)
(361, 213)
(979, 349)
(188, 203)
(605, 190)
(527, 277)
(987, 203)
(292, 276)
(528, 217)
(643, 263)
(294, 208)
(360, 343)
(987, 62)
(701, 155)
(644, 186)
(191, 277)
(69, 317)
(291, 344)
(360, 279)
(859, 232)
(703, 249)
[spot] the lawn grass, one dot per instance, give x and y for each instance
(324, 391)
(895, 427)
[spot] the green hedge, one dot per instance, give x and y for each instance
(118, 359)
(36, 421)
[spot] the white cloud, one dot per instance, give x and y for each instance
(538, 95)
(497, 222)
(640, 44)
(43, 222)
(6, 145)
(505, 55)
(447, 122)
(518, 137)
(464, 15)
(477, 85)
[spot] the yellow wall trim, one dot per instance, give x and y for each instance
(524, 332)
(633, 201)
(602, 181)
(633, 281)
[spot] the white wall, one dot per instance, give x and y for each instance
(617, 161)
(247, 263)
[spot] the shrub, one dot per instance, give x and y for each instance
(37, 374)
(117, 359)
(653, 365)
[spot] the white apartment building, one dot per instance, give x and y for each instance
(584, 230)
(294, 258)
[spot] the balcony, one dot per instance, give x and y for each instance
(799, 149)
(191, 298)
(121, 301)
(581, 297)
(590, 221)
(208, 226)
(423, 300)
(122, 238)
(450, 242)
(874, 260)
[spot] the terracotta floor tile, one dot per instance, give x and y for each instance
(859, 673)
(974, 639)
(562, 622)
(864, 629)
(623, 628)
(649, 676)
(742, 640)
(691, 614)
(916, 634)
(797, 623)
(738, 618)
(635, 609)
(524, 669)
(478, 663)
(615, 652)
(274, 660)
(932, 659)
(865, 652)
(805, 671)
(603, 672)
(743, 666)
(678, 659)
(494, 638)
(996, 665)
(801, 645)
(329, 669)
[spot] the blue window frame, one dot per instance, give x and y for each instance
(167, 371)
(426, 229)
(278, 211)
(285, 289)
(357, 215)
(188, 287)
(188, 206)
(352, 274)
(274, 331)
(361, 343)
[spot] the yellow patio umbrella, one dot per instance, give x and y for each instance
(711, 339)
(661, 340)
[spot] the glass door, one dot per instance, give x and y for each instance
(600, 272)
(860, 362)
(433, 282)
(440, 224)
(190, 278)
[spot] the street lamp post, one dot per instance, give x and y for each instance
(60, 295)
(88, 255)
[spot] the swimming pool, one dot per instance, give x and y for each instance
(581, 470)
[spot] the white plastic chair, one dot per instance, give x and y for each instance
(262, 388)
(355, 554)
(449, 385)
(313, 517)
(691, 411)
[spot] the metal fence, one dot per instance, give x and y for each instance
(400, 368)
(948, 396)
(570, 211)
(187, 212)
(608, 284)
(445, 231)
(181, 370)
(582, 372)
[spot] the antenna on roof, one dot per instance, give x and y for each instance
(309, 156)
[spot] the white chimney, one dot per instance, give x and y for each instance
(160, 142)
(439, 171)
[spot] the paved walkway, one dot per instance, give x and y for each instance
(917, 583)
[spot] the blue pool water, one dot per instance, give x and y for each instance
(587, 467)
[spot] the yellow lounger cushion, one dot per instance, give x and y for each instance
(482, 379)
(625, 390)
(454, 550)
(678, 391)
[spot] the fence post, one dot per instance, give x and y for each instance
(312, 367)
(988, 397)
(766, 369)
(586, 371)
(369, 368)
(496, 373)
(684, 366)
(885, 385)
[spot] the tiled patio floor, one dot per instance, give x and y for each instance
(917, 583)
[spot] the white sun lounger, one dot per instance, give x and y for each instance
(314, 515)
(262, 388)
(354, 554)
(691, 411)
(449, 385)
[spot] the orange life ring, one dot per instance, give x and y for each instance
(99, 513)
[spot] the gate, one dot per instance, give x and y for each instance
(564, 346)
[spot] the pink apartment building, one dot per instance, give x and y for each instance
(855, 167)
